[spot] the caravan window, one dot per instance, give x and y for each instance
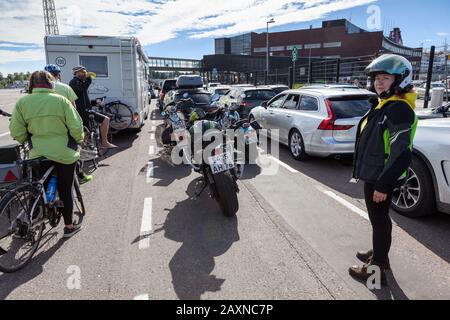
(97, 64)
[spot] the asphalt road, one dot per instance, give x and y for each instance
(146, 236)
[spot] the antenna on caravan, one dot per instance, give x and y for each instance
(50, 20)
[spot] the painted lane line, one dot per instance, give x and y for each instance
(146, 225)
(281, 163)
(344, 202)
(142, 297)
(4, 134)
(288, 167)
(150, 172)
(152, 136)
(151, 151)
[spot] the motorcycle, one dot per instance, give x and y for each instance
(218, 167)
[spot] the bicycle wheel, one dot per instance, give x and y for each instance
(78, 208)
(18, 239)
(120, 115)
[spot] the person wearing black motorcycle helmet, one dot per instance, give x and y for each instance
(383, 154)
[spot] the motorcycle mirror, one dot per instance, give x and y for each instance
(186, 95)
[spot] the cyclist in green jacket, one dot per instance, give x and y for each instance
(55, 129)
(383, 153)
(66, 91)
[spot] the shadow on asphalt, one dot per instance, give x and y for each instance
(432, 232)
(48, 247)
(204, 234)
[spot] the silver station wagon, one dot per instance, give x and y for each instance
(315, 121)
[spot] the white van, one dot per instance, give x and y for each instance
(119, 62)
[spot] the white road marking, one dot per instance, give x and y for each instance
(288, 167)
(142, 297)
(151, 151)
(153, 129)
(4, 134)
(150, 172)
(146, 225)
(344, 202)
(152, 136)
(281, 163)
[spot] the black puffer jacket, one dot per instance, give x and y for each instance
(81, 90)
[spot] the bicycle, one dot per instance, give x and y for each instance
(24, 213)
(25, 210)
(120, 114)
(91, 148)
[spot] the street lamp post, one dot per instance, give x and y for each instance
(267, 49)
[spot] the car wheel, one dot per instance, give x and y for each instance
(415, 198)
(297, 146)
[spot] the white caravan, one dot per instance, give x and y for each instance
(119, 62)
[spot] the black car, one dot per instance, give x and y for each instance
(167, 86)
(190, 87)
(244, 99)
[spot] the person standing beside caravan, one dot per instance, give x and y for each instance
(80, 85)
(67, 92)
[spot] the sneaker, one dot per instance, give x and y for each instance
(86, 178)
(72, 231)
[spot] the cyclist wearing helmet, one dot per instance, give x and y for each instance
(55, 130)
(60, 87)
(67, 92)
(80, 85)
(383, 153)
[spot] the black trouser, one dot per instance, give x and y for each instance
(65, 176)
(381, 223)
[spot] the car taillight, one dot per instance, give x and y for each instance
(245, 104)
(329, 123)
(135, 117)
(161, 95)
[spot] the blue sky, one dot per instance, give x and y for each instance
(186, 28)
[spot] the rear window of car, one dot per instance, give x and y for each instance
(221, 91)
(169, 85)
(262, 95)
(350, 107)
(280, 89)
(199, 98)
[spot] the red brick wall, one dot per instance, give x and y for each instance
(353, 45)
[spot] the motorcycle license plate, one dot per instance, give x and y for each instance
(221, 162)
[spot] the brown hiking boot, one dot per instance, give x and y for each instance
(366, 256)
(361, 272)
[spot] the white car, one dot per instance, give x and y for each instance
(427, 188)
(421, 90)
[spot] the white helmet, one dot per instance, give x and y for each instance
(395, 65)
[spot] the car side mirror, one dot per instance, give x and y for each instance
(264, 104)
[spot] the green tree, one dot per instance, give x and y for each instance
(10, 78)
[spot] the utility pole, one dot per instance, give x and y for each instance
(50, 20)
(267, 49)
(446, 70)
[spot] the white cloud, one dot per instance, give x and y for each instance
(7, 56)
(155, 22)
(442, 34)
